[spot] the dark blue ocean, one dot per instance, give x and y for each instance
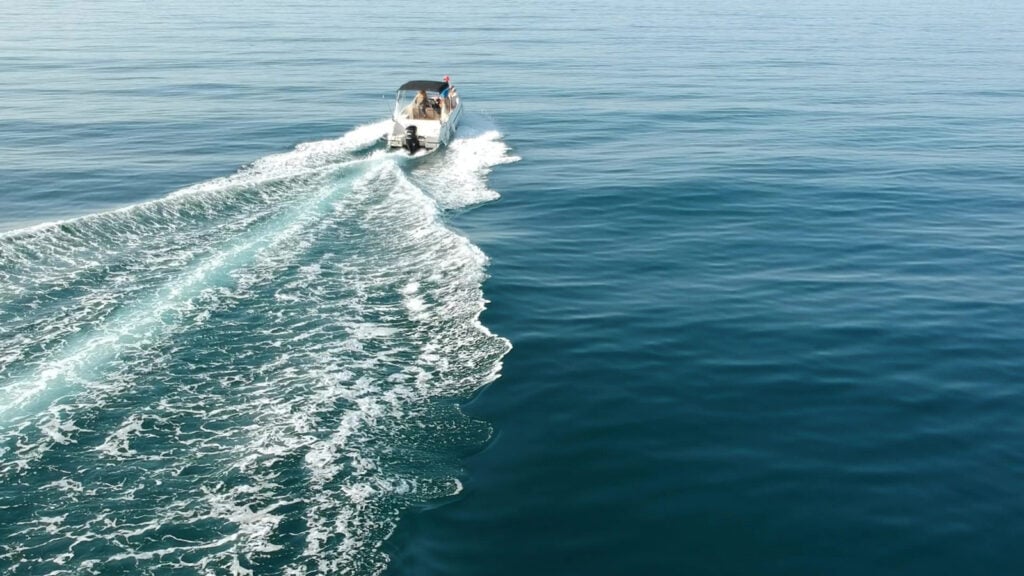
(700, 288)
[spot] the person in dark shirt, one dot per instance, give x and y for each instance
(445, 90)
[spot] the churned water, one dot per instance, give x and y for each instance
(746, 281)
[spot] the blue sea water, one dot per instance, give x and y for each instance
(700, 288)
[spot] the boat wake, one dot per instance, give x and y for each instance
(254, 374)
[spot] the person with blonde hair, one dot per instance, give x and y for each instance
(420, 104)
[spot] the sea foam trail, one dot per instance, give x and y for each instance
(262, 385)
(171, 250)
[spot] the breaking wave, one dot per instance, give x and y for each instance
(254, 374)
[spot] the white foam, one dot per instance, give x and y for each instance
(56, 427)
(460, 180)
(117, 444)
(65, 485)
(306, 158)
(338, 311)
(145, 322)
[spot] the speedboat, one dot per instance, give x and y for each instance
(425, 117)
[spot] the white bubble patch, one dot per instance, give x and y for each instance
(256, 374)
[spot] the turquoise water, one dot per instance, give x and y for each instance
(699, 288)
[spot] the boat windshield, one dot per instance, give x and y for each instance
(423, 105)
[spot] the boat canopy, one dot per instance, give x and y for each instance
(432, 85)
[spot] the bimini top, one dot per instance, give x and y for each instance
(432, 85)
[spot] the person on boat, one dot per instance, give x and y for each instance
(421, 104)
(445, 91)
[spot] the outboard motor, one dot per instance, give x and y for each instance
(412, 142)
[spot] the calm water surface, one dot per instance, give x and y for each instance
(701, 288)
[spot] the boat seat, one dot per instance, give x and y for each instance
(412, 112)
(429, 114)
